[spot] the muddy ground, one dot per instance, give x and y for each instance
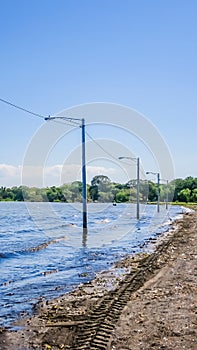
(151, 305)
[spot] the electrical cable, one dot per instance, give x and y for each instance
(112, 156)
(70, 121)
(63, 123)
(21, 108)
(67, 120)
(101, 147)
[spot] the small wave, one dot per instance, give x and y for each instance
(71, 225)
(187, 210)
(166, 223)
(45, 273)
(52, 228)
(12, 254)
(28, 230)
(4, 284)
(46, 244)
(8, 255)
(104, 221)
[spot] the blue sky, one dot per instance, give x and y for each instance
(138, 53)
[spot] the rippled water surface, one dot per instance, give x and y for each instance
(45, 253)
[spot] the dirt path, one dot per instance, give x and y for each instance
(152, 306)
(163, 313)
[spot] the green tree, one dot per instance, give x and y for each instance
(100, 184)
(52, 194)
(3, 193)
(106, 197)
(194, 195)
(94, 193)
(190, 182)
(179, 184)
(184, 195)
(122, 196)
(10, 195)
(153, 192)
(144, 190)
(18, 193)
(76, 190)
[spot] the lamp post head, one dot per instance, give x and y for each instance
(131, 158)
(151, 172)
(48, 118)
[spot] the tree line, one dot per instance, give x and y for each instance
(102, 189)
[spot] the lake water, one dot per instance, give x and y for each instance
(45, 253)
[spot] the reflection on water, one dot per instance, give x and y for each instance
(84, 237)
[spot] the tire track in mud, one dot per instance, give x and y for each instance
(95, 332)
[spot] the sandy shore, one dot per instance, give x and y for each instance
(144, 302)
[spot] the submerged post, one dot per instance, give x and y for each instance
(158, 188)
(138, 189)
(167, 194)
(166, 197)
(84, 191)
(138, 184)
(158, 194)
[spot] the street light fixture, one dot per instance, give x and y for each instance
(138, 184)
(158, 187)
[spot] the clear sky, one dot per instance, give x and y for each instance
(59, 53)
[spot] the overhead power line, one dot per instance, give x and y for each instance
(22, 109)
(101, 147)
(110, 154)
(68, 122)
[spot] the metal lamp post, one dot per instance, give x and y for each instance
(158, 188)
(167, 189)
(167, 199)
(138, 184)
(84, 190)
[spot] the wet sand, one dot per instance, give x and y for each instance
(148, 301)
